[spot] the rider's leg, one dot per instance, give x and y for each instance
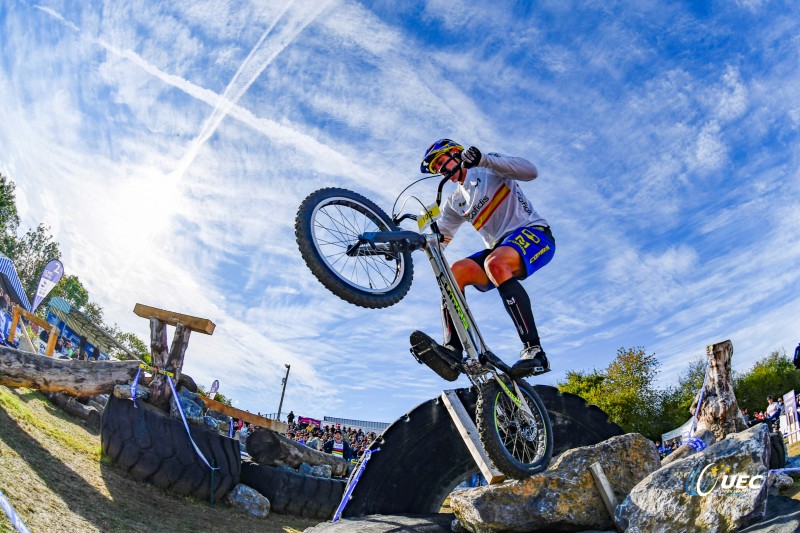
(467, 272)
(503, 266)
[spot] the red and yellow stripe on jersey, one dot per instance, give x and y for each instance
(502, 193)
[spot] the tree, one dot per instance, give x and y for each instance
(30, 254)
(624, 390)
(677, 401)
(773, 375)
(9, 218)
(133, 343)
(70, 289)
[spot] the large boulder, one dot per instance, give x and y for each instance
(564, 496)
(722, 488)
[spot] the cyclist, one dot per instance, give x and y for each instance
(518, 242)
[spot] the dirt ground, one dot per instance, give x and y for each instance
(52, 473)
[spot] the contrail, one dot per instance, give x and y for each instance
(282, 133)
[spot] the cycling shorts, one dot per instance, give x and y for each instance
(535, 244)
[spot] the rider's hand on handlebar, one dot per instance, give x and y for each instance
(471, 157)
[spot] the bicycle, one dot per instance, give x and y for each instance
(362, 255)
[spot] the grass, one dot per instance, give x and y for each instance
(52, 472)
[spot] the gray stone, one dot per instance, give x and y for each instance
(318, 471)
(249, 500)
(123, 392)
(691, 495)
(564, 497)
(192, 410)
(218, 416)
(436, 523)
(779, 481)
(210, 423)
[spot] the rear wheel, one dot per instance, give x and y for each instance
(518, 445)
(328, 222)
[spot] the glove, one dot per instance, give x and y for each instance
(471, 157)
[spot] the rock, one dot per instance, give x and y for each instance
(706, 435)
(123, 392)
(694, 494)
(211, 423)
(218, 416)
(783, 516)
(318, 471)
(438, 523)
(563, 497)
(779, 481)
(249, 500)
(192, 407)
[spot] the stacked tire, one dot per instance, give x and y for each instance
(292, 493)
(152, 447)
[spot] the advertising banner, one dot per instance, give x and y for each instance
(52, 274)
(305, 421)
(790, 412)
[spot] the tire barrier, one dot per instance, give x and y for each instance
(423, 457)
(293, 493)
(153, 447)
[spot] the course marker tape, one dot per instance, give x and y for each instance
(12, 515)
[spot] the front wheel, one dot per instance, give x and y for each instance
(518, 445)
(328, 222)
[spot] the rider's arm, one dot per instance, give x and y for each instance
(449, 223)
(517, 168)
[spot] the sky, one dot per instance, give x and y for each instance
(167, 146)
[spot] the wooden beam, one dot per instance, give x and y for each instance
(76, 378)
(52, 334)
(246, 416)
(469, 432)
(606, 492)
(200, 325)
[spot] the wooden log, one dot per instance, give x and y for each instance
(719, 412)
(245, 416)
(160, 392)
(269, 448)
(76, 378)
(72, 406)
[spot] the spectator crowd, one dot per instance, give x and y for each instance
(354, 440)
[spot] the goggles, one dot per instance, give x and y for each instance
(439, 148)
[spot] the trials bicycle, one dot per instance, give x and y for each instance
(362, 255)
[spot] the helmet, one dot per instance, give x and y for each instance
(435, 150)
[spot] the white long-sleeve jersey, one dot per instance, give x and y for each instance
(491, 200)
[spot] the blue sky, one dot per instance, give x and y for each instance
(168, 145)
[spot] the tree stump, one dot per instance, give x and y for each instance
(719, 412)
(169, 360)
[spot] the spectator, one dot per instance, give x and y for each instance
(338, 447)
(290, 417)
(314, 442)
(797, 357)
(773, 413)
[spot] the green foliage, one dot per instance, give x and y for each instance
(217, 396)
(70, 289)
(624, 390)
(677, 401)
(773, 375)
(30, 254)
(9, 218)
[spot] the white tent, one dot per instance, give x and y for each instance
(677, 432)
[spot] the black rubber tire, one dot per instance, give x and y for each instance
(777, 453)
(293, 493)
(512, 462)
(152, 447)
(422, 457)
(304, 233)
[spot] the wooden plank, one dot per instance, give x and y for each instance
(200, 325)
(469, 432)
(606, 492)
(250, 418)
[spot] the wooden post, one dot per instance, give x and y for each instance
(719, 411)
(606, 492)
(469, 432)
(52, 331)
(169, 360)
